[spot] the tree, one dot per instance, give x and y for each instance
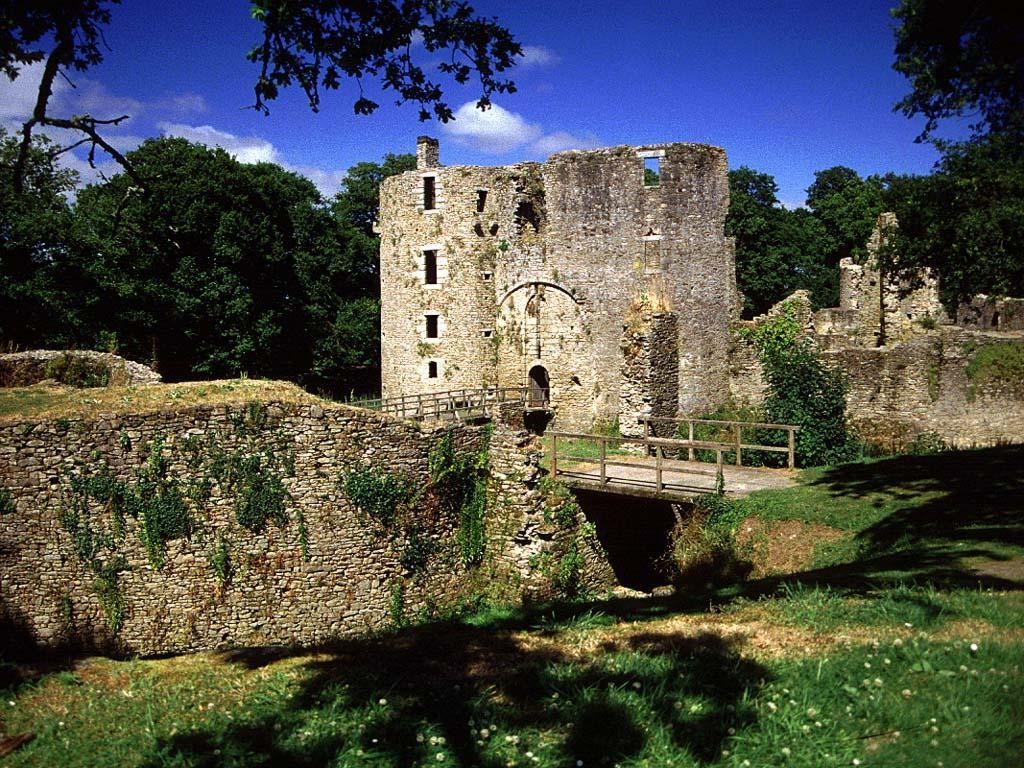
(208, 274)
(777, 250)
(35, 227)
(314, 45)
(317, 44)
(962, 57)
(847, 207)
(966, 220)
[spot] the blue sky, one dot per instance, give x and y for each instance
(786, 87)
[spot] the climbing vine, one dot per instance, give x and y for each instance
(101, 508)
(563, 512)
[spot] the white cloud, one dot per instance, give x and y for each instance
(252, 149)
(494, 130)
(537, 56)
(559, 141)
(497, 131)
(245, 149)
(181, 105)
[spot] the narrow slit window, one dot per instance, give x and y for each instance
(431, 326)
(652, 254)
(432, 369)
(652, 171)
(481, 200)
(430, 267)
(429, 193)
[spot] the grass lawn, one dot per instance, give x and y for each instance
(900, 644)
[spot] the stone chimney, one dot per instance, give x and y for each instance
(427, 153)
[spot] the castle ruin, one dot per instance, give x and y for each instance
(601, 279)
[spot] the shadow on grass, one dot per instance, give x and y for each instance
(982, 496)
(400, 700)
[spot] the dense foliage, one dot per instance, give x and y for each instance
(802, 390)
(779, 251)
(962, 58)
(216, 268)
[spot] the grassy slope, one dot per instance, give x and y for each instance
(65, 402)
(865, 658)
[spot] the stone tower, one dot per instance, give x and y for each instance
(593, 273)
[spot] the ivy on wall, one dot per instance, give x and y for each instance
(457, 489)
(565, 569)
(100, 509)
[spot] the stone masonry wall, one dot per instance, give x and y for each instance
(539, 264)
(900, 391)
(651, 372)
(992, 313)
(344, 583)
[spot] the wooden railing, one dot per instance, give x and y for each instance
(736, 445)
(573, 455)
(606, 458)
(452, 404)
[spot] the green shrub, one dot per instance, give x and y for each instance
(7, 506)
(220, 562)
(261, 496)
(78, 371)
(995, 363)
(804, 391)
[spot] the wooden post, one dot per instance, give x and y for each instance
(554, 457)
(604, 456)
(658, 485)
(739, 443)
(792, 448)
(690, 451)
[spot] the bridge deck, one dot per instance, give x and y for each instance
(680, 480)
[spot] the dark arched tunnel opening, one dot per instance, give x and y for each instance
(636, 535)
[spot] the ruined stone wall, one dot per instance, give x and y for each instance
(923, 385)
(992, 313)
(344, 583)
(466, 243)
(552, 265)
(650, 381)
(926, 385)
(23, 369)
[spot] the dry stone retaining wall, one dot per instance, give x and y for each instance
(345, 582)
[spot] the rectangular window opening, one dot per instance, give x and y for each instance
(481, 200)
(432, 369)
(429, 197)
(487, 332)
(431, 326)
(652, 171)
(486, 276)
(430, 267)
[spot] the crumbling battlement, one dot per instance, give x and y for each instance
(529, 272)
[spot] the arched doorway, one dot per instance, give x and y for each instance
(539, 395)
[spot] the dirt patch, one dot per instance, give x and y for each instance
(1007, 570)
(781, 547)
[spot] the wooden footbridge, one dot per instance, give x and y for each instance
(675, 459)
(672, 468)
(452, 405)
